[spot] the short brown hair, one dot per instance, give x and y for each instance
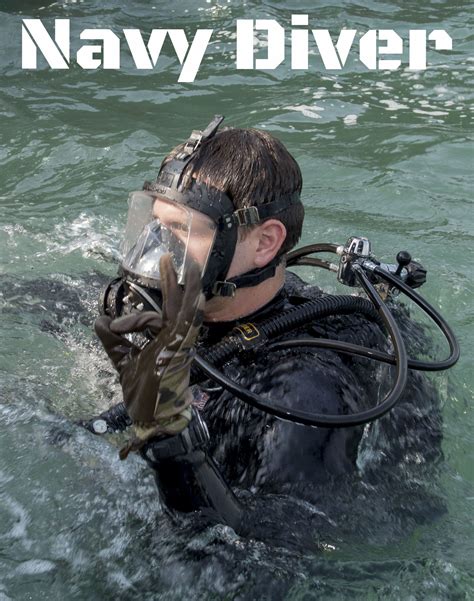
(252, 168)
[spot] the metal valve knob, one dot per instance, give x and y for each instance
(403, 260)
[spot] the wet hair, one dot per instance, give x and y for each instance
(252, 168)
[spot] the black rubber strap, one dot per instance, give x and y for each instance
(195, 436)
(277, 206)
(181, 160)
(246, 280)
(258, 213)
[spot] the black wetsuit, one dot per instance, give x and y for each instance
(254, 449)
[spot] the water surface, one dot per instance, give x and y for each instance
(384, 154)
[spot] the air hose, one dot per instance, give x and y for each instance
(356, 267)
(324, 420)
(250, 335)
(399, 358)
(116, 419)
(362, 351)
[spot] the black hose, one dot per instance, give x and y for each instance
(435, 316)
(312, 262)
(289, 320)
(300, 257)
(399, 358)
(324, 420)
(323, 247)
(208, 360)
(364, 351)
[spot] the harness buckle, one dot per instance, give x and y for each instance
(247, 216)
(224, 289)
(191, 145)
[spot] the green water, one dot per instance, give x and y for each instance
(383, 154)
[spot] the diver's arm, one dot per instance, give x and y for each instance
(113, 419)
(187, 477)
(168, 433)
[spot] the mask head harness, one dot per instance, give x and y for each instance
(173, 185)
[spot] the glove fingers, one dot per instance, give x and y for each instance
(170, 289)
(115, 346)
(190, 314)
(137, 322)
(108, 338)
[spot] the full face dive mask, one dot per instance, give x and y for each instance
(157, 226)
(192, 221)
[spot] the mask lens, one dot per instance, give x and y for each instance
(156, 226)
(140, 212)
(153, 242)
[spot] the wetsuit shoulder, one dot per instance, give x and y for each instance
(291, 453)
(256, 449)
(309, 380)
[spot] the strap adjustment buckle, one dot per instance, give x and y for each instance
(224, 289)
(191, 144)
(246, 216)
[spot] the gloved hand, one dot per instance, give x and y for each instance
(155, 380)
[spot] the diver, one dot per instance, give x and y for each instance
(204, 262)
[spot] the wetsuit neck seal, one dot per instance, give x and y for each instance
(172, 184)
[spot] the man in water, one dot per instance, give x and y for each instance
(207, 242)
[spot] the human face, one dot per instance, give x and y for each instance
(195, 230)
(157, 226)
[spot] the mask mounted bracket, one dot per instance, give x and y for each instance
(197, 137)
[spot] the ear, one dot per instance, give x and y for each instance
(270, 236)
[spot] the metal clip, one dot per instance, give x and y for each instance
(191, 144)
(247, 216)
(224, 289)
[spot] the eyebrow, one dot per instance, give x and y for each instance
(167, 210)
(179, 225)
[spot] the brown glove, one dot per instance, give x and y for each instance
(155, 380)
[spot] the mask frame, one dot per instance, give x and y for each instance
(156, 226)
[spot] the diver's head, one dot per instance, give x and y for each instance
(230, 201)
(253, 168)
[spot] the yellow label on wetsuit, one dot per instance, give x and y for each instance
(248, 330)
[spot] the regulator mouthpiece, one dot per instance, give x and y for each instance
(123, 297)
